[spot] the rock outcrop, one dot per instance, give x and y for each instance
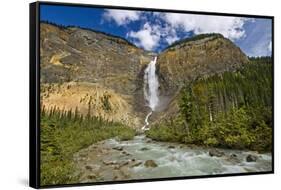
(200, 56)
(90, 98)
(75, 54)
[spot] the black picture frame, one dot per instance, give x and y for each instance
(34, 93)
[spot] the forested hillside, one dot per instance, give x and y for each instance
(230, 110)
(65, 132)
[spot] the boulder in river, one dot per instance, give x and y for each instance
(149, 141)
(91, 176)
(251, 158)
(171, 146)
(88, 167)
(124, 163)
(118, 165)
(233, 158)
(136, 164)
(109, 162)
(144, 148)
(119, 148)
(126, 153)
(150, 163)
(215, 152)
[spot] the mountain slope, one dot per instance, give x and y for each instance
(200, 56)
(79, 55)
(74, 54)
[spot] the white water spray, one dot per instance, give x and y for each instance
(145, 127)
(151, 86)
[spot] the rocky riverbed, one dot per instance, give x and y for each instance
(143, 158)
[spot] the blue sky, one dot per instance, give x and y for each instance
(154, 31)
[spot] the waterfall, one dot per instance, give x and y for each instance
(151, 86)
(146, 121)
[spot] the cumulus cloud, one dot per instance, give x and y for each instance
(230, 27)
(153, 30)
(148, 37)
(151, 35)
(121, 17)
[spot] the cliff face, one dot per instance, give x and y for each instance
(74, 54)
(83, 56)
(90, 98)
(103, 74)
(201, 56)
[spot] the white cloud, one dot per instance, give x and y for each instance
(171, 39)
(167, 28)
(168, 33)
(269, 47)
(148, 37)
(230, 27)
(121, 17)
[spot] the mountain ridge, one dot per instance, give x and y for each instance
(85, 28)
(194, 38)
(86, 56)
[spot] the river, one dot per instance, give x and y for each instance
(143, 158)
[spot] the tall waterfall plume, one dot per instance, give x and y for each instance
(151, 86)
